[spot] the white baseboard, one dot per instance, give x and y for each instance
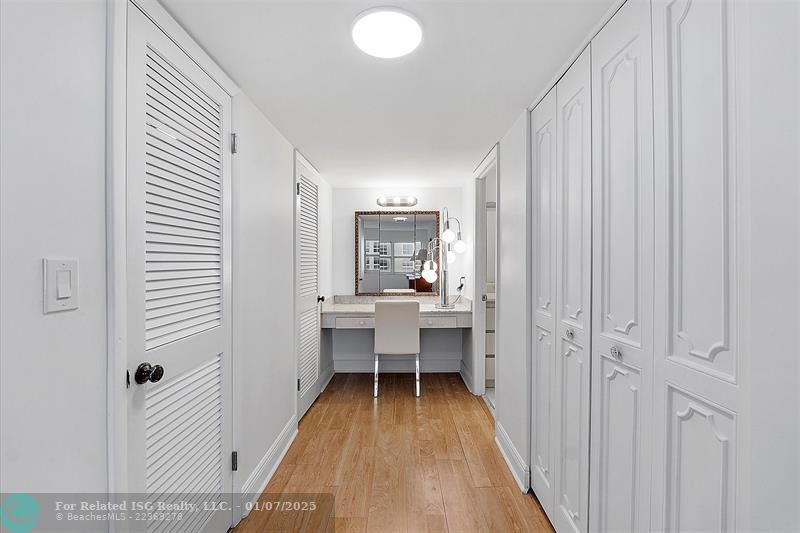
(263, 472)
(519, 469)
(325, 378)
(467, 377)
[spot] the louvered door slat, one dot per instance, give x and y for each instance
(183, 197)
(186, 183)
(160, 421)
(184, 188)
(185, 154)
(157, 215)
(159, 90)
(181, 265)
(162, 154)
(190, 295)
(177, 231)
(309, 349)
(161, 107)
(308, 230)
(200, 100)
(172, 199)
(166, 237)
(165, 122)
(161, 163)
(164, 275)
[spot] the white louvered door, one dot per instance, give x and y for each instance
(307, 284)
(178, 277)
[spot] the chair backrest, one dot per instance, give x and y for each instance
(397, 327)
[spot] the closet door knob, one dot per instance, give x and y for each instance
(616, 353)
(146, 372)
(570, 334)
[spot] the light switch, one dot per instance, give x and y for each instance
(60, 285)
(63, 284)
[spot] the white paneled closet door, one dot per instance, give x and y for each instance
(697, 357)
(543, 170)
(622, 343)
(573, 222)
(178, 275)
(307, 284)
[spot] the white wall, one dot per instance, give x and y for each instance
(53, 431)
(512, 409)
(468, 269)
(263, 321)
(52, 204)
(347, 200)
(773, 124)
(325, 213)
(467, 265)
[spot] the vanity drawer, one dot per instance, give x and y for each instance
(438, 322)
(355, 323)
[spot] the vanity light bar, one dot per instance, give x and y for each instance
(397, 201)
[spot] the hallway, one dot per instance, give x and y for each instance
(401, 464)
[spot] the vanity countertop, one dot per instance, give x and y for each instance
(369, 308)
(361, 315)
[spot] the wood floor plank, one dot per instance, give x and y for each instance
(351, 524)
(399, 463)
(461, 502)
(353, 490)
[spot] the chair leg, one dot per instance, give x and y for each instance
(417, 361)
(375, 390)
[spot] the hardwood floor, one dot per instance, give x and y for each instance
(400, 464)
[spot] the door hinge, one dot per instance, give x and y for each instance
(298, 188)
(234, 143)
(235, 461)
(298, 384)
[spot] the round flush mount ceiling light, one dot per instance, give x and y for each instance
(387, 32)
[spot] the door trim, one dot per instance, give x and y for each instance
(116, 242)
(489, 162)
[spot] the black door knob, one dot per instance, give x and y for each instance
(320, 299)
(156, 374)
(145, 372)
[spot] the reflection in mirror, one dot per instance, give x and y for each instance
(391, 248)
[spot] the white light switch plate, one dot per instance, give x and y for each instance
(60, 285)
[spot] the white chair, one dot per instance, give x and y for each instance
(396, 332)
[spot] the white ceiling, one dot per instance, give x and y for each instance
(424, 119)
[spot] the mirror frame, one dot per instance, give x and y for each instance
(357, 254)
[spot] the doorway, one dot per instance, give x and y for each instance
(485, 276)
